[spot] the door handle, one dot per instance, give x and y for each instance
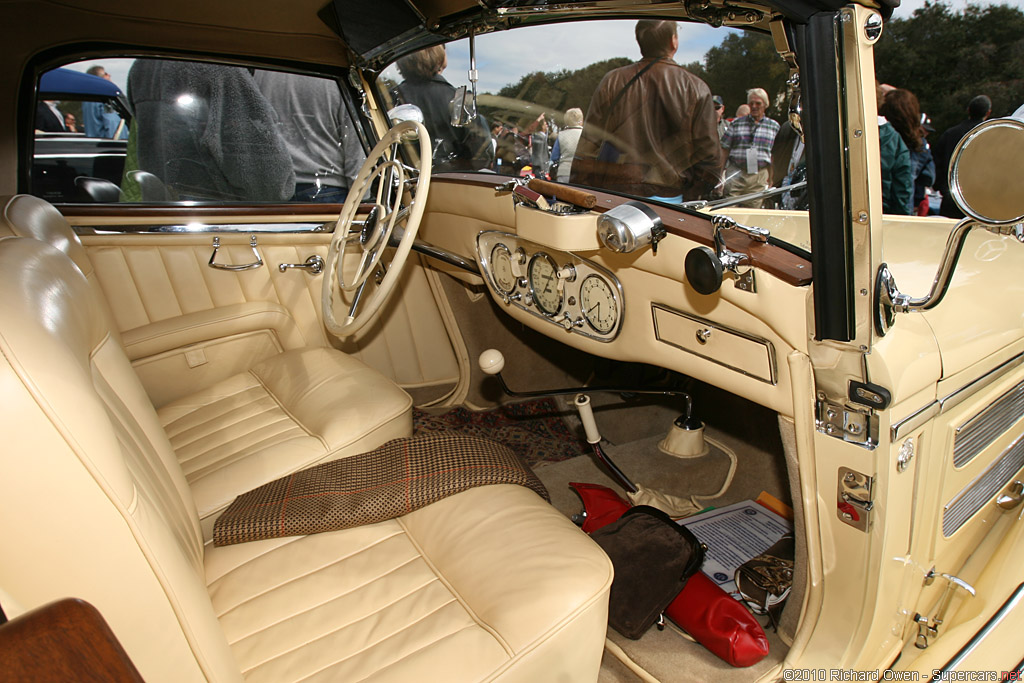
(1011, 498)
(314, 264)
(245, 266)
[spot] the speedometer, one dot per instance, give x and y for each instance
(544, 284)
(599, 305)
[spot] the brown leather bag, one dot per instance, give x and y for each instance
(653, 558)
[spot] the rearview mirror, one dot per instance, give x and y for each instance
(982, 170)
(463, 108)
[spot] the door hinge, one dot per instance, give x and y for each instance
(851, 424)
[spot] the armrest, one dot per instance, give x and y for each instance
(217, 323)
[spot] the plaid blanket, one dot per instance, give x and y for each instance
(401, 476)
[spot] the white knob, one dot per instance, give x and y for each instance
(491, 361)
(587, 418)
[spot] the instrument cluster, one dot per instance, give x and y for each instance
(559, 287)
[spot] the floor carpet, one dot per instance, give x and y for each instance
(533, 429)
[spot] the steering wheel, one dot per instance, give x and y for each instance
(400, 197)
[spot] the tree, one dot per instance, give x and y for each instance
(551, 92)
(946, 58)
(741, 62)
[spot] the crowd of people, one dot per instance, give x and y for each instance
(652, 129)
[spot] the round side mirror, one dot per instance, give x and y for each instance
(985, 169)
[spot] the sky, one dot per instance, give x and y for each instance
(503, 57)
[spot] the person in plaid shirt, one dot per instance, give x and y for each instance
(749, 142)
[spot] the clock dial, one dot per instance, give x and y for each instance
(599, 305)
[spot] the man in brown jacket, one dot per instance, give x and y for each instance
(651, 130)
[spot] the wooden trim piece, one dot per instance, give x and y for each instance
(67, 640)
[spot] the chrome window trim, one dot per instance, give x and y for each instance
(198, 228)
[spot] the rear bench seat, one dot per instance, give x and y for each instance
(489, 584)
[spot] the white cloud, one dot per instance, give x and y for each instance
(504, 57)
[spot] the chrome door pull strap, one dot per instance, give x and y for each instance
(245, 266)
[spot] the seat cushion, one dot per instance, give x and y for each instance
(290, 411)
(490, 583)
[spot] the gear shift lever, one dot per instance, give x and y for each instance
(492, 362)
(582, 404)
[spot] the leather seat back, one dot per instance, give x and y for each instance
(23, 215)
(95, 503)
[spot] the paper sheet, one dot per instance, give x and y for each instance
(733, 535)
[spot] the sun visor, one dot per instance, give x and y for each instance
(369, 27)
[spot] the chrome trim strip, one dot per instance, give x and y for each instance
(1011, 603)
(911, 422)
(982, 429)
(975, 495)
(206, 227)
(963, 393)
(772, 366)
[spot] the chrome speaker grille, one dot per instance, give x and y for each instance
(982, 429)
(980, 491)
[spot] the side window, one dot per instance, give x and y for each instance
(166, 130)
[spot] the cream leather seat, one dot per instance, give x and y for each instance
(489, 584)
(291, 411)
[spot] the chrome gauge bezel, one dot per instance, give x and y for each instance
(569, 318)
(501, 247)
(542, 256)
(583, 307)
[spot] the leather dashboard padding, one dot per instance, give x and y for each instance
(401, 476)
(653, 558)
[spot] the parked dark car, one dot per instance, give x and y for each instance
(71, 166)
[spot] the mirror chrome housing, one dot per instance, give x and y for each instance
(985, 158)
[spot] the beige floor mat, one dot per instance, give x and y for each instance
(667, 655)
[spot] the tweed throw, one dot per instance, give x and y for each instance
(401, 476)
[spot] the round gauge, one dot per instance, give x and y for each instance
(544, 283)
(600, 308)
(501, 267)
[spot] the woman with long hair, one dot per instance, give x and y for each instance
(902, 110)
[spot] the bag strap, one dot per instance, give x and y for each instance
(631, 81)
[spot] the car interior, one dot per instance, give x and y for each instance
(166, 352)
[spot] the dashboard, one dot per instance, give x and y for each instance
(558, 287)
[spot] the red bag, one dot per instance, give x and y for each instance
(717, 621)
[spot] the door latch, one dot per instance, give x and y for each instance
(855, 503)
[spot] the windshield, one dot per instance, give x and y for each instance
(679, 113)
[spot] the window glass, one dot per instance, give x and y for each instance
(650, 108)
(165, 130)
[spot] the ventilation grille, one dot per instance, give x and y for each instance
(981, 490)
(982, 429)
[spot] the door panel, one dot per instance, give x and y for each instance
(169, 305)
(974, 452)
